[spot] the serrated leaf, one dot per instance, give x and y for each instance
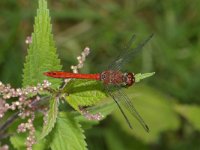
(191, 113)
(42, 55)
(140, 76)
(67, 134)
(51, 118)
(84, 93)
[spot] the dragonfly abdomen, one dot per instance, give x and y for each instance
(60, 74)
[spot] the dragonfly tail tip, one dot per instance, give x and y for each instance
(147, 128)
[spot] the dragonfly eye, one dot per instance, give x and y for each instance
(129, 79)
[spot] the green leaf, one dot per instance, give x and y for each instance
(18, 142)
(51, 118)
(67, 134)
(155, 108)
(123, 141)
(140, 76)
(84, 93)
(190, 112)
(42, 55)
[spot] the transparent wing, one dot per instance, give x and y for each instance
(116, 99)
(128, 54)
(121, 98)
(128, 104)
(130, 42)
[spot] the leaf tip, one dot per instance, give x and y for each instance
(141, 76)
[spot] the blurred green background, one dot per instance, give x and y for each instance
(168, 101)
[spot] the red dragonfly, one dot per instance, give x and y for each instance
(113, 80)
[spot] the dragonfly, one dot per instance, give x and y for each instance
(114, 80)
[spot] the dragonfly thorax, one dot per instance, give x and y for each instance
(117, 78)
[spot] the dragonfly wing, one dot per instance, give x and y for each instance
(117, 60)
(118, 95)
(115, 97)
(128, 54)
(130, 107)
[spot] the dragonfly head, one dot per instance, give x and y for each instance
(129, 79)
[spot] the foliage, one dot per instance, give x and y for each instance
(140, 76)
(51, 117)
(189, 112)
(149, 105)
(18, 141)
(170, 102)
(84, 93)
(42, 55)
(67, 134)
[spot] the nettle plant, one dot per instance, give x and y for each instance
(36, 116)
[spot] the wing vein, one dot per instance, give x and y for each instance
(130, 107)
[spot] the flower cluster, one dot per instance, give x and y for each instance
(28, 40)
(6, 92)
(23, 127)
(81, 60)
(89, 116)
(4, 147)
(26, 105)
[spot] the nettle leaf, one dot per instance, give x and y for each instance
(84, 93)
(51, 118)
(140, 76)
(42, 55)
(67, 134)
(190, 112)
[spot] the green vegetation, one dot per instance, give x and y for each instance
(168, 101)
